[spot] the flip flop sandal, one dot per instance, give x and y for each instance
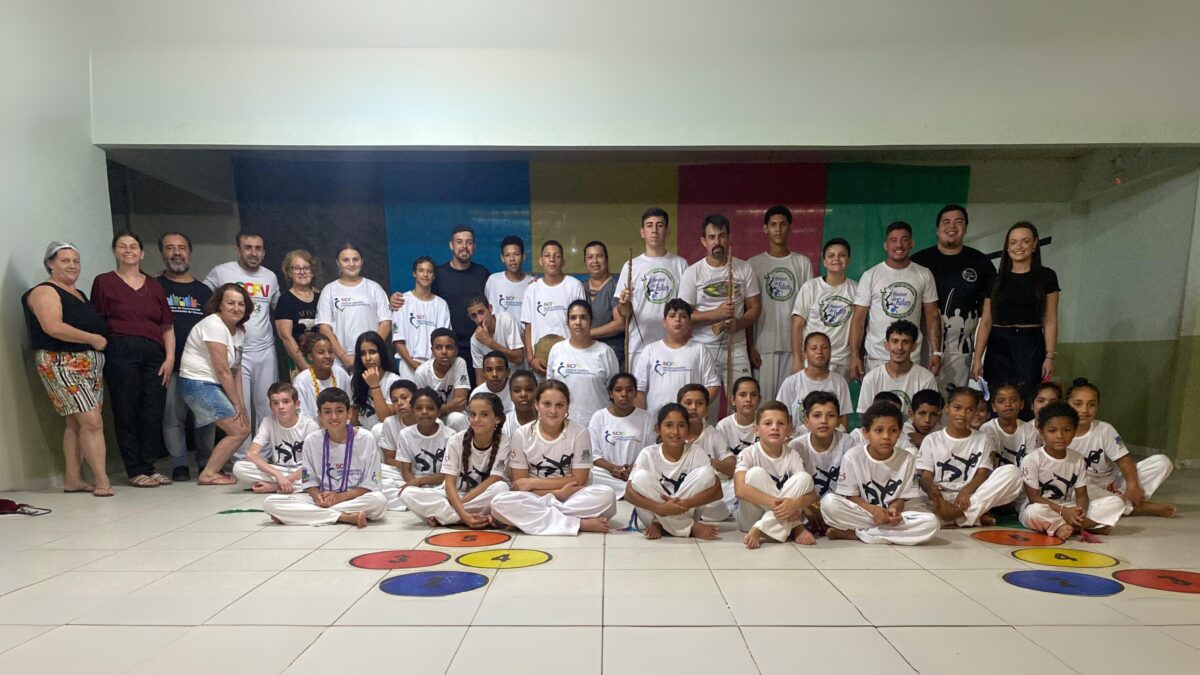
(102, 492)
(82, 489)
(219, 480)
(161, 479)
(143, 481)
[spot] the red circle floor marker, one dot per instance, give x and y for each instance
(1174, 581)
(1016, 538)
(466, 539)
(399, 560)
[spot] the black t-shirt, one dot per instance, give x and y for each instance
(962, 283)
(1020, 299)
(303, 315)
(456, 287)
(186, 302)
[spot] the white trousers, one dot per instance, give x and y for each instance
(259, 371)
(601, 476)
(247, 474)
(544, 514)
(843, 514)
(647, 485)
(776, 366)
(431, 502)
(1003, 486)
(392, 482)
(729, 501)
(175, 416)
(1151, 472)
(299, 509)
(1104, 510)
(750, 515)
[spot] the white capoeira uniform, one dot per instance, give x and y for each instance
(828, 309)
(954, 462)
(560, 457)
(431, 502)
(1057, 480)
(781, 280)
(879, 379)
(335, 467)
(782, 476)
(879, 482)
(1012, 448)
(656, 478)
(1101, 447)
(889, 295)
(618, 440)
(655, 282)
(824, 466)
(713, 443)
(737, 438)
(423, 454)
(799, 384)
(281, 447)
(453, 379)
(307, 390)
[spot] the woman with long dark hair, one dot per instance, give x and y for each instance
(374, 373)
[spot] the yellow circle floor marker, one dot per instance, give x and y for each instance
(1065, 557)
(504, 559)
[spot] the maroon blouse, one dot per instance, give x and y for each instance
(140, 313)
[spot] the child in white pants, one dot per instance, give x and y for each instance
(619, 432)
(446, 373)
(473, 470)
(417, 458)
(341, 473)
(672, 481)
(955, 466)
(695, 400)
(772, 486)
(868, 502)
(822, 449)
(737, 430)
(273, 463)
(550, 462)
(1055, 481)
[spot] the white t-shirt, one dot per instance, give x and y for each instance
(705, 288)
(387, 434)
(455, 378)
(1101, 447)
(670, 474)
(362, 471)
(352, 310)
(620, 439)
(798, 385)
(508, 333)
(1012, 448)
(789, 463)
(545, 307)
(878, 482)
(196, 363)
(824, 466)
(308, 397)
(737, 437)
(828, 309)
(413, 323)
(892, 295)
(954, 461)
(713, 443)
(506, 297)
(424, 453)
(1054, 479)
(284, 445)
(504, 395)
(476, 471)
(385, 386)
(916, 379)
(511, 424)
(263, 287)
(655, 282)
(859, 437)
(586, 373)
(545, 458)
(780, 279)
(662, 370)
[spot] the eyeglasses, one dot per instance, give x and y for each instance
(300, 270)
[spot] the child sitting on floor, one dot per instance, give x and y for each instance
(273, 463)
(773, 489)
(1013, 436)
(822, 449)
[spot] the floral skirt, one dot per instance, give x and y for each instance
(74, 380)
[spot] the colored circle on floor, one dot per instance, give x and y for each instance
(1065, 557)
(432, 584)
(399, 560)
(1016, 538)
(467, 539)
(1174, 581)
(504, 559)
(1064, 583)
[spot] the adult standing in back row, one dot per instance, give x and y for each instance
(963, 276)
(780, 274)
(656, 275)
(456, 282)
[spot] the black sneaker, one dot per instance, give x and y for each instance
(180, 474)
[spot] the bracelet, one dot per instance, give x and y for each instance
(938, 354)
(373, 388)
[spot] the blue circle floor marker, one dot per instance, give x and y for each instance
(432, 584)
(1064, 583)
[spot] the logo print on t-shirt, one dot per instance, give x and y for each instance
(824, 480)
(548, 468)
(564, 369)
(953, 473)
(429, 462)
(288, 452)
(898, 299)
(904, 398)
(780, 480)
(660, 285)
(1049, 490)
(780, 283)
(614, 437)
(835, 310)
(718, 289)
(878, 493)
(671, 485)
(416, 320)
(508, 302)
(969, 275)
(1093, 457)
(664, 367)
(544, 307)
(342, 304)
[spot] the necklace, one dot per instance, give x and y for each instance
(317, 385)
(345, 461)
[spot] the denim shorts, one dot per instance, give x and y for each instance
(207, 401)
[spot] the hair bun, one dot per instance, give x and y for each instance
(1080, 382)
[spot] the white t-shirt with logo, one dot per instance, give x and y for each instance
(737, 437)
(476, 471)
(413, 323)
(620, 439)
(284, 445)
(670, 474)
(196, 363)
(798, 385)
(545, 458)
(662, 370)
(828, 309)
(1055, 479)
(780, 280)
(508, 333)
(916, 379)
(424, 453)
(387, 434)
(586, 373)
(352, 310)
(506, 297)
(655, 282)
(1101, 447)
(504, 395)
(824, 467)
(878, 482)
(789, 463)
(308, 396)
(706, 288)
(362, 471)
(263, 287)
(1012, 448)
(953, 461)
(545, 307)
(454, 378)
(891, 295)
(713, 443)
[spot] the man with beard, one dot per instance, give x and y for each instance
(185, 298)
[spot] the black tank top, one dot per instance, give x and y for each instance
(76, 313)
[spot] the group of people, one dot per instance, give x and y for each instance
(536, 402)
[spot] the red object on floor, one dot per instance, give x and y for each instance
(1016, 538)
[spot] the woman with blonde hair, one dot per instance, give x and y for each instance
(296, 312)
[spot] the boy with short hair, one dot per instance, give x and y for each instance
(273, 462)
(664, 366)
(495, 379)
(1012, 435)
(814, 376)
(899, 374)
(822, 448)
(387, 437)
(340, 476)
(506, 290)
(544, 309)
(858, 436)
(522, 389)
(924, 417)
(772, 487)
(446, 373)
(494, 333)
(421, 314)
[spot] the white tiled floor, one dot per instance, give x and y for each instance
(158, 581)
